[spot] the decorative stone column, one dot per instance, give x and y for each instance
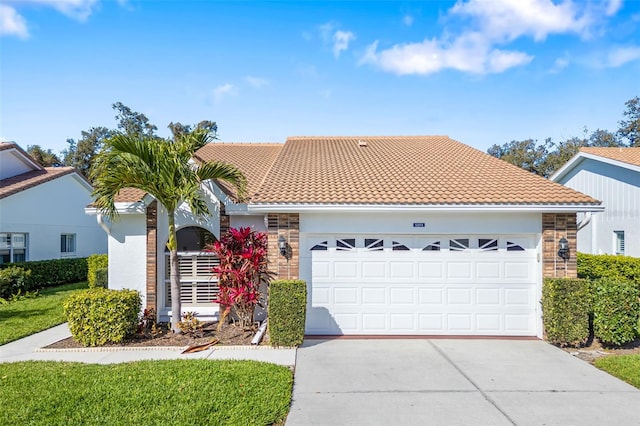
(286, 225)
(554, 227)
(152, 255)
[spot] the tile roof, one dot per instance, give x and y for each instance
(253, 159)
(426, 170)
(19, 183)
(12, 145)
(129, 195)
(625, 155)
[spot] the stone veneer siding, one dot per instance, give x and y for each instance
(554, 227)
(288, 226)
(152, 255)
(225, 221)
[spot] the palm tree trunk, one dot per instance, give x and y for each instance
(172, 245)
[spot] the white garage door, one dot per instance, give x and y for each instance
(450, 285)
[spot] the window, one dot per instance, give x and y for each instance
(396, 246)
(619, 241)
(514, 247)
(68, 243)
(460, 244)
(320, 246)
(345, 244)
(435, 246)
(13, 247)
(373, 244)
(487, 244)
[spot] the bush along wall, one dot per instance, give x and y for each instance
(620, 268)
(13, 281)
(49, 273)
(616, 311)
(98, 316)
(287, 312)
(566, 306)
(96, 262)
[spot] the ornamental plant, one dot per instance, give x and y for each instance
(243, 268)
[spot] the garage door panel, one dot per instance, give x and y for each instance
(320, 295)
(430, 296)
(345, 295)
(518, 270)
(373, 270)
(518, 296)
(459, 296)
(374, 296)
(345, 269)
(430, 270)
(374, 322)
(488, 296)
(321, 269)
(488, 271)
(458, 323)
(401, 270)
(517, 323)
(402, 296)
(347, 322)
(401, 322)
(459, 270)
(431, 323)
(488, 323)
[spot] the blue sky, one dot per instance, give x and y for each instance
(482, 72)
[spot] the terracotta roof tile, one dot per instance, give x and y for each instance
(19, 183)
(401, 170)
(253, 159)
(626, 155)
(129, 195)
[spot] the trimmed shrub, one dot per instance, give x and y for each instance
(566, 305)
(287, 311)
(619, 268)
(13, 281)
(102, 277)
(97, 316)
(94, 263)
(50, 273)
(615, 311)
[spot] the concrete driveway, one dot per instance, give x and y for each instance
(453, 382)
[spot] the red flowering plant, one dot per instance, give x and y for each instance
(243, 267)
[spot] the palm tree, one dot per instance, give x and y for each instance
(163, 169)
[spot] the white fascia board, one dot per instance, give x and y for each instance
(82, 181)
(138, 207)
(474, 208)
(231, 207)
(581, 156)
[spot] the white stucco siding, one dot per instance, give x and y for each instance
(128, 253)
(619, 191)
(48, 210)
(255, 222)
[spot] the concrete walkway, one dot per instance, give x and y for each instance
(454, 382)
(29, 349)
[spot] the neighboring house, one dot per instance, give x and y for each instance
(393, 235)
(613, 176)
(42, 210)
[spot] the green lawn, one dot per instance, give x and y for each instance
(624, 367)
(177, 392)
(25, 317)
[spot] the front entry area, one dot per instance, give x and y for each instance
(417, 285)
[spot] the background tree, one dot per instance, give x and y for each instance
(44, 158)
(526, 154)
(81, 154)
(133, 123)
(630, 128)
(162, 169)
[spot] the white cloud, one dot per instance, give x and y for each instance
(407, 20)
(256, 82)
(224, 91)
(76, 9)
(622, 55)
(506, 20)
(559, 64)
(12, 23)
(613, 6)
(468, 53)
(341, 40)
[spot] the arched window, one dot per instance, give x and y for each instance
(194, 238)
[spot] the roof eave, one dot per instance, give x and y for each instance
(488, 208)
(580, 157)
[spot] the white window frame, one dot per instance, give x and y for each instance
(9, 245)
(68, 237)
(618, 242)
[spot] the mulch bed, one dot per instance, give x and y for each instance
(229, 335)
(594, 350)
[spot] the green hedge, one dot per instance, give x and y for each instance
(287, 312)
(620, 268)
(566, 304)
(50, 273)
(615, 311)
(97, 316)
(13, 281)
(95, 262)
